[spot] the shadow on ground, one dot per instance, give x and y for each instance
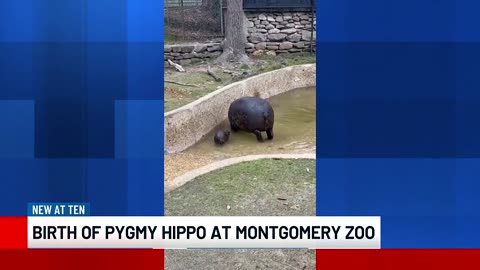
(256, 188)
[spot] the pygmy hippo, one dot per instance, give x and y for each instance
(252, 114)
(221, 137)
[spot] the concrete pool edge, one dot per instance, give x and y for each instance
(191, 175)
(187, 125)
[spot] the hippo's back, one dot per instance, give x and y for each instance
(251, 113)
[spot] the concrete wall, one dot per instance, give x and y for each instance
(187, 125)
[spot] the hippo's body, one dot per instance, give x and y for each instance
(253, 115)
(221, 137)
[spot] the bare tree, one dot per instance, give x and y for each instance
(235, 36)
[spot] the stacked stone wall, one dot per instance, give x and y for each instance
(280, 32)
(267, 33)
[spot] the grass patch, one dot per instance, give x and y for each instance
(178, 95)
(277, 62)
(263, 187)
(169, 39)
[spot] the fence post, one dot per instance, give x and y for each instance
(183, 20)
(221, 18)
(166, 13)
(312, 3)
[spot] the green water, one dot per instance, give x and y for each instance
(294, 129)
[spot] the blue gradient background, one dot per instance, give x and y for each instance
(81, 105)
(398, 104)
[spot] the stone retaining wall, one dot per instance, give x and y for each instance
(279, 32)
(267, 33)
(187, 125)
(185, 54)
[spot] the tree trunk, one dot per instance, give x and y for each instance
(235, 36)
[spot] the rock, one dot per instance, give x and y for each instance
(304, 17)
(249, 50)
(167, 49)
(200, 48)
(294, 37)
(262, 30)
(261, 46)
(287, 17)
(280, 26)
(285, 45)
(305, 22)
(262, 17)
(176, 49)
(297, 19)
(281, 51)
(299, 45)
(289, 30)
(276, 37)
(290, 25)
(257, 37)
(261, 26)
(306, 35)
(249, 45)
(274, 31)
(300, 27)
(251, 30)
(175, 54)
(268, 27)
(250, 24)
(294, 50)
(259, 52)
(214, 48)
(279, 19)
(188, 56)
(273, 43)
(270, 19)
(215, 54)
(187, 48)
(264, 22)
(185, 62)
(272, 47)
(271, 53)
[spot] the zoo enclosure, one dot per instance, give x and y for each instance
(189, 20)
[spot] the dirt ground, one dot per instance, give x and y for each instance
(256, 188)
(182, 88)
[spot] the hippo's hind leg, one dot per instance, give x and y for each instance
(270, 133)
(233, 127)
(259, 135)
